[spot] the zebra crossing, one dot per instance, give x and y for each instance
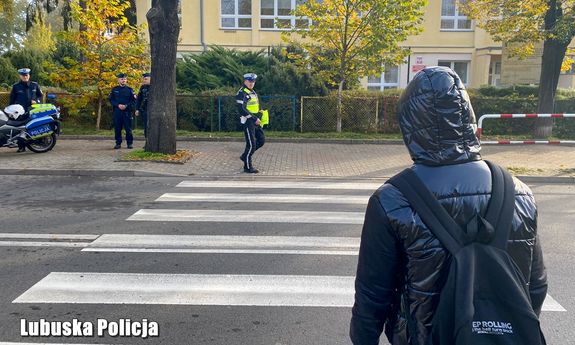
(208, 203)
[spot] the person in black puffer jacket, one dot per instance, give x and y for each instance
(402, 265)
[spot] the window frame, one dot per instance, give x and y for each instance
(382, 84)
(275, 17)
(236, 17)
(452, 66)
(456, 18)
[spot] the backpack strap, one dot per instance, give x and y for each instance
(435, 217)
(499, 214)
(501, 205)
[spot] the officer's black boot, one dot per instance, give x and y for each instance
(21, 146)
(251, 169)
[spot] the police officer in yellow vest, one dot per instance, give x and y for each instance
(250, 115)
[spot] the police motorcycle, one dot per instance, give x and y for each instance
(38, 131)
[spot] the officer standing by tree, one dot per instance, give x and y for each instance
(249, 111)
(25, 93)
(142, 101)
(122, 99)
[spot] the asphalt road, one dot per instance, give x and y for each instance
(34, 274)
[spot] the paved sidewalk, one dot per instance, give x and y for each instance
(97, 157)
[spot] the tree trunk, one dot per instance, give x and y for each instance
(83, 7)
(553, 54)
(164, 31)
(339, 106)
(99, 115)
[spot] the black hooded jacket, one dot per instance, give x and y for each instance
(402, 266)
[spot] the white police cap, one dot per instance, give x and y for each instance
(24, 71)
(250, 76)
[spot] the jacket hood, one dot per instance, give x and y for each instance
(436, 119)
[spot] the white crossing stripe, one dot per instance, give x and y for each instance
(49, 236)
(259, 184)
(194, 289)
(225, 244)
(10, 343)
(189, 289)
(55, 240)
(550, 304)
(267, 198)
(242, 216)
(42, 244)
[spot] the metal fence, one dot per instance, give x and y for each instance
(358, 114)
(194, 113)
(219, 113)
(287, 113)
(362, 114)
(4, 99)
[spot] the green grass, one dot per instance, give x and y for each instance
(524, 171)
(140, 155)
(143, 155)
(74, 130)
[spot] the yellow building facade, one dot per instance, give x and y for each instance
(448, 39)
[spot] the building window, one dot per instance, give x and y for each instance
(451, 18)
(389, 79)
(495, 73)
(460, 67)
(277, 15)
(236, 14)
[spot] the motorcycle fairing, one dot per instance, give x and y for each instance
(39, 122)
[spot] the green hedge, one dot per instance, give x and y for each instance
(213, 112)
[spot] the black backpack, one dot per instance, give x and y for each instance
(485, 299)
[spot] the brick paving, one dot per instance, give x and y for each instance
(282, 159)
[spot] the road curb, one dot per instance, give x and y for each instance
(82, 172)
(546, 179)
(143, 173)
(269, 140)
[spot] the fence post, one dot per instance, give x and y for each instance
(219, 113)
(211, 115)
(301, 115)
(293, 112)
(376, 115)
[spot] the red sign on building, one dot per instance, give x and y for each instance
(417, 68)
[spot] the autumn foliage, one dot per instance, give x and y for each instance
(107, 44)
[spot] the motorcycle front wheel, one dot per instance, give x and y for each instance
(43, 144)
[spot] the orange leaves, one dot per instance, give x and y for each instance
(107, 45)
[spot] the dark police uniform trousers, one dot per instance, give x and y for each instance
(122, 118)
(255, 139)
(142, 106)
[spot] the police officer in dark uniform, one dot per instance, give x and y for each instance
(122, 99)
(142, 101)
(25, 93)
(249, 110)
